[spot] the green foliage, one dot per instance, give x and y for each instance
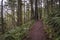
(53, 20)
(18, 33)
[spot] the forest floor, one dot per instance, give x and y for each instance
(37, 31)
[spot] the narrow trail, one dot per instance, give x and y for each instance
(37, 31)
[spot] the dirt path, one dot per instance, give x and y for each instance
(37, 31)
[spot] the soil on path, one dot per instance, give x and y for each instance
(37, 31)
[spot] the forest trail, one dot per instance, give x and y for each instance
(37, 31)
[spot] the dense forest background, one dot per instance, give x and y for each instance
(17, 17)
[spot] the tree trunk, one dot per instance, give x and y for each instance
(13, 17)
(59, 3)
(2, 20)
(19, 13)
(36, 10)
(41, 11)
(47, 9)
(32, 10)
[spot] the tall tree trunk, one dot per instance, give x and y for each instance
(2, 20)
(32, 10)
(19, 13)
(13, 17)
(59, 3)
(47, 8)
(36, 10)
(41, 10)
(51, 5)
(13, 13)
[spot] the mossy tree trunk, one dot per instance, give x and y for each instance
(36, 10)
(32, 10)
(2, 19)
(19, 13)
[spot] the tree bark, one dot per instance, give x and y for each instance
(13, 17)
(2, 20)
(19, 13)
(59, 3)
(32, 10)
(36, 10)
